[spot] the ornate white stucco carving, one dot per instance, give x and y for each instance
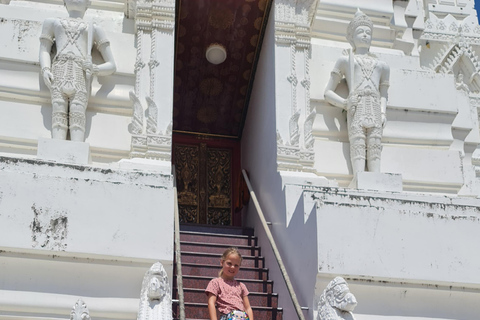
(154, 21)
(69, 74)
(136, 126)
(152, 112)
(299, 12)
(336, 301)
(460, 59)
(292, 33)
(155, 297)
(80, 311)
(453, 43)
(367, 79)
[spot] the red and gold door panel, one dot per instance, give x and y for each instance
(206, 176)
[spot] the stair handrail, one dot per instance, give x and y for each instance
(178, 258)
(291, 291)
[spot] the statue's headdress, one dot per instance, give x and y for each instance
(360, 19)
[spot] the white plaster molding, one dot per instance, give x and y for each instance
(61, 151)
(56, 305)
(333, 16)
(299, 12)
(159, 147)
(412, 260)
(110, 5)
(155, 15)
(408, 22)
(378, 181)
(460, 8)
(447, 29)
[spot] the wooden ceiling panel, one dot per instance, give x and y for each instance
(213, 99)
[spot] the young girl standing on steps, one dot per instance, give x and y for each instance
(229, 295)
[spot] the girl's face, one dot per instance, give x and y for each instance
(230, 266)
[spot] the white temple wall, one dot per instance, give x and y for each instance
(68, 230)
(406, 256)
(259, 158)
(72, 231)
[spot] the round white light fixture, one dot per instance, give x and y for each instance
(216, 53)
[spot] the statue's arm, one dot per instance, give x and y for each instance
(46, 43)
(335, 77)
(383, 88)
(103, 45)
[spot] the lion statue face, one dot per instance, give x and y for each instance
(341, 298)
(156, 287)
(336, 301)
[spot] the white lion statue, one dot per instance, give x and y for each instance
(336, 301)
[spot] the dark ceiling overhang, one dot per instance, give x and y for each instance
(213, 99)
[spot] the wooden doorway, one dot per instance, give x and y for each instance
(207, 171)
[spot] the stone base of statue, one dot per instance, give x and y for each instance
(63, 151)
(377, 181)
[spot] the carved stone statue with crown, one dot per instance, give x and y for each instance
(155, 297)
(336, 301)
(68, 75)
(367, 79)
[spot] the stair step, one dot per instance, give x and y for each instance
(256, 298)
(218, 248)
(208, 228)
(214, 259)
(200, 311)
(224, 239)
(253, 285)
(201, 248)
(212, 271)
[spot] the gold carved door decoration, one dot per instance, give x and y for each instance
(204, 182)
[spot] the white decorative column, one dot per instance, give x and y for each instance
(151, 126)
(295, 115)
(450, 46)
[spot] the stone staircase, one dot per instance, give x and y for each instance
(201, 248)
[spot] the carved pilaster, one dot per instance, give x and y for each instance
(292, 33)
(154, 22)
(454, 42)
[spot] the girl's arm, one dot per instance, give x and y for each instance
(211, 306)
(248, 308)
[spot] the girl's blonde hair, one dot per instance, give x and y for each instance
(226, 253)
